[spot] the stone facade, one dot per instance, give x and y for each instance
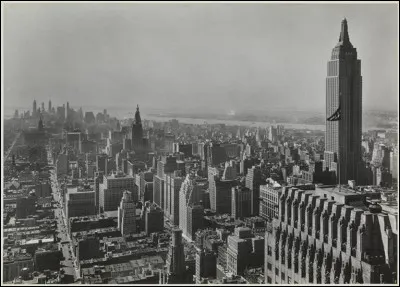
(319, 241)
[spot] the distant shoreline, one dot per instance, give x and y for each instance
(233, 122)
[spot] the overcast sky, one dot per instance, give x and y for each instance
(195, 56)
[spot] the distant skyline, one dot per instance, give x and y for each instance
(186, 57)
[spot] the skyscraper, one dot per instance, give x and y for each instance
(49, 106)
(241, 202)
(253, 182)
(137, 131)
(343, 97)
(127, 214)
(176, 255)
(34, 109)
(191, 193)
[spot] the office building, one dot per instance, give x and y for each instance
(269, 197)
(195, 220)
(112, 188)
(101, 163)
(88, 146)
(158, 191)
(215, 154)
(43, 189)
(394, 163)
(191, 194)
(154, 219)
(14, 264)
(98, 179)
(206, 265)
(127, 214)
(74, 139)
(89, 118)
(344, 87)
(253, 182)
(148, 192)
(173, 184)
(176, 256)
(241, 202)
(166, 165)
(272, 134)
(62, 164)
(137, 132)
(34, 109)
(220, 189)
(80, 202)
(328, 236)
(244, 250)
(26, 206)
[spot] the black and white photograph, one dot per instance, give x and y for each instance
(199, 142)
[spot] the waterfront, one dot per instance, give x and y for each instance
(234, 122)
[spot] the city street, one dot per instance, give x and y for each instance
(68, 264)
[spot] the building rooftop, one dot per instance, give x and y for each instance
(118, 175)
(36, 241)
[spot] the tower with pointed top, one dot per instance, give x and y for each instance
(137, 131)
(49, 106)
(344, 86)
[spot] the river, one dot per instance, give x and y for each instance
(234, 122)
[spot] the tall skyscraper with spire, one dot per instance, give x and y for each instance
(49, 106)
(343, 109)
(137, 131)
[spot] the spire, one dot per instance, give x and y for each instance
(137, 116)
(344, 33)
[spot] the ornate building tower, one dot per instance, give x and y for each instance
(343, 95)
(137, 131)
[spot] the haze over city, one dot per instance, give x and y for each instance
(222, 57)
(187, 143)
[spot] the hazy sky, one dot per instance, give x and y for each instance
(205, 56)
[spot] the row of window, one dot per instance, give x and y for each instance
(289, 280)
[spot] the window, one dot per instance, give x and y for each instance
(332, 197)
(269, 250)
(276, 271)
(269, 266)
(325, 195)
(269, 280)
(283, 275)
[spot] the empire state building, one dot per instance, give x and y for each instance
(344, 106)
